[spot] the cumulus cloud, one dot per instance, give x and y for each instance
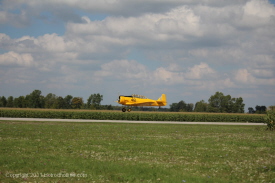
(244, 76)
(258, 8)
(179, 23)
(17, 20)
(110, 7)
(200, 71)
(263, 73)
(257, 13)
(132, 71)
(122, 69)
(162, 76)
(12, 58)
(252, 78)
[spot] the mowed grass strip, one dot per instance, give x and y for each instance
(107, 152)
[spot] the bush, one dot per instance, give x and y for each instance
(270, 120)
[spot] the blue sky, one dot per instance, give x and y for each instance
(186, 49)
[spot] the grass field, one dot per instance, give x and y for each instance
(107, 152)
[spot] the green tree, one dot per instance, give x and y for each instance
(251, 110)
(94, 101)
(3, 102)
(10, 101)
(59, 103)
(181, 106)
(77, 102)
(201, 106)
(35, 99)
(174, 107)
(68, 102)
(19, 102)
(42, 101)
(220, 103)
(50, 100)
(27, 100)
(238, 105)
(110, 107)
(260, 109)
(216, 102)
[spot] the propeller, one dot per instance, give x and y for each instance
(118, 97)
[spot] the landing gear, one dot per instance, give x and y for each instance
(124, 109)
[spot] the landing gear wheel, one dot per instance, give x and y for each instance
(123, 109)
(129, 110)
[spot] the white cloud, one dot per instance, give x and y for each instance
(51, 42)
(17, 20)
(12, 58)
(257, 13)
(129, 71)
(162, 76)
(263, 73)
(3, 17)
(253, 78)
(201, 71)
(244, 76)
(122, 70)
(258, 8)
(179, 23)
(132, 71)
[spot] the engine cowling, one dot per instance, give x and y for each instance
(121, 99)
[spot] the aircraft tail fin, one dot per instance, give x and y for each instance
(162, 99)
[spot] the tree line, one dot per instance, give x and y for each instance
(51, 101)
(217, 103)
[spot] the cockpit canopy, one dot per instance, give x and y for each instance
(139, 96)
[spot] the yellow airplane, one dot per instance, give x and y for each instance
(140, 100)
